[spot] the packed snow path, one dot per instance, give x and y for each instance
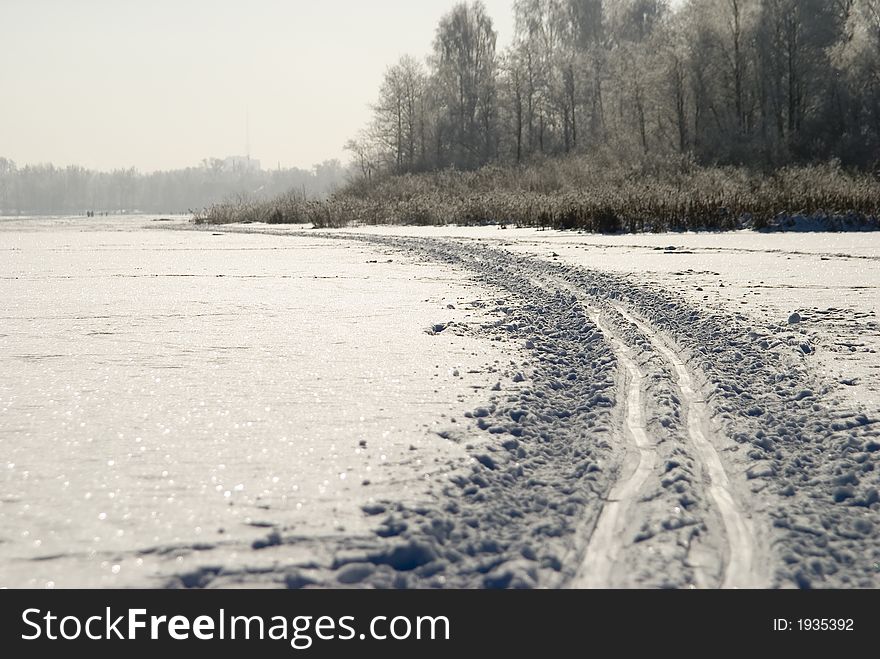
(739, 572)
(600, 567)
(782, 492)
(598, 563)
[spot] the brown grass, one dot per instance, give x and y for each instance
(580, 193)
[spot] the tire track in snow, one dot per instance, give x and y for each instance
(740, 566)
(605, 543)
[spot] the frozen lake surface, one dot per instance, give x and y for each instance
(172, 397)
(702, 410)
(436, 407)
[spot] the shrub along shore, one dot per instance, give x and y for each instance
(580, 193)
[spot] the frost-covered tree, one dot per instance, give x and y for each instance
(755, 82)
(465, 70)
(399, 115)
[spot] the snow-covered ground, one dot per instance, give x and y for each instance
(832, 280)
(170, 400)
(530, 408)
(701, 411)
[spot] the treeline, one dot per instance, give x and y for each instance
(46, 189)
(591, 194)
(762, 83)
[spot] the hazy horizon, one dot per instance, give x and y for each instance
(162, 85)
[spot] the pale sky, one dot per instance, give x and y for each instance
(161, 84)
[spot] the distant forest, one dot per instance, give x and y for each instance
(46, 189)
(760, 83)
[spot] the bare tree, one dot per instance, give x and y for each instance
(465, 70)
